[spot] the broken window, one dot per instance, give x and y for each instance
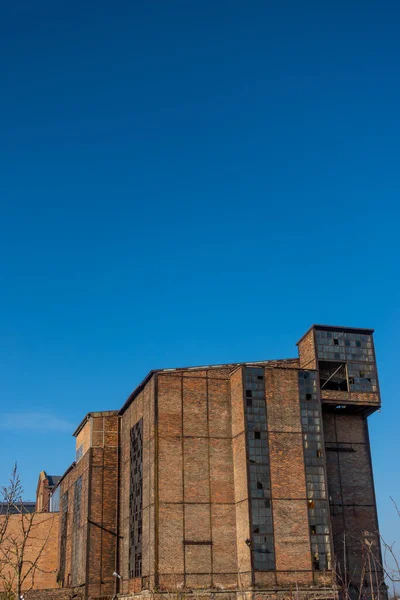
(76, 518)
(262, 542)
(135, 500)
(318, 508)
(333, 375)
(79, 453)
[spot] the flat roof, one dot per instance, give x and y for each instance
(336, 328)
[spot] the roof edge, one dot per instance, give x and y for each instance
(97, 413)
(149, 376)
(71, 466)
(136, 391)
(338, 328)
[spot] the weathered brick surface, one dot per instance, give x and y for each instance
(94, 542)
(292, 541)
(289, 500)
(351, 492)
(223, 523)
(43, 491)
(67, 485)
(282, 396)
(197, 523)
(198, 559)
(55, 594)
(171, 549)
(42, 543)
(221, 471)
(307, 352)
(142, 407)
(194, 390)
(241, 492)
(195, 464)
(196, 470)
(361, 398)
(84, 437)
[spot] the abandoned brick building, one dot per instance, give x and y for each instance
(225, 477)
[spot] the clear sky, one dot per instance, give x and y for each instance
(188, 183)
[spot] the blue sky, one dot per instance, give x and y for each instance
(185, 183)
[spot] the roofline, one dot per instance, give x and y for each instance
(149, 376)
(137, 391)
(71, 466)
(336, 328)
(91, 414)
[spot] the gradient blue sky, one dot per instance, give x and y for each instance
(185, 183)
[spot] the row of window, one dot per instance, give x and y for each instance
(135, 500)
(262, 539)
(316, 485)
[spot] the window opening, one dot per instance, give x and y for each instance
(135, 501)
(333, 376)
(262, 539)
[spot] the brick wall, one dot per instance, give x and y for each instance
(242, 509)
(289, 500)
(307, 352)
(55, 594)
(142, 407)
(102, 514)
(91, 537)
(76, 535)
(361, 398)
(42, 540)
(196, 515)
(196, 537)
(42, 493)
(351, 491)
(84, 437)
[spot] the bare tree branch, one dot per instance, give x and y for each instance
(18, 566)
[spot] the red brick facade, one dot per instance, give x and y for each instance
(41, 550)
(166, 491)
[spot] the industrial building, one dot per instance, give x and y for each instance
(245, 477)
